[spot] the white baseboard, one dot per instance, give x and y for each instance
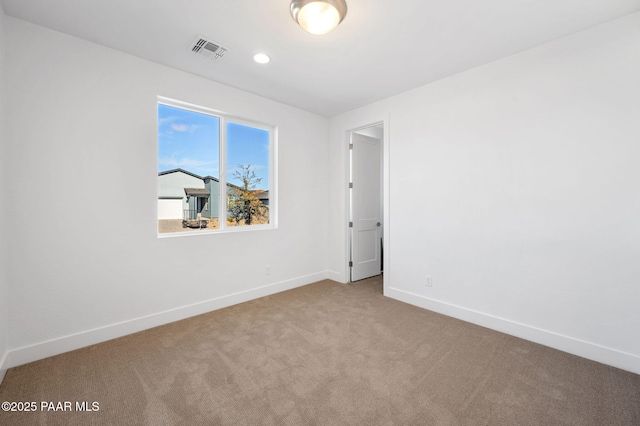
(3, 368)
(336, 276)
(592, 351)
(42, 350)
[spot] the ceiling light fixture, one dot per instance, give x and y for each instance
(318, 16)
(261, 58)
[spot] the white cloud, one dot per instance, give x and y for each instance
(180, 127)
(166, 120)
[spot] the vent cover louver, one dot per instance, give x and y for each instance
(204, 47)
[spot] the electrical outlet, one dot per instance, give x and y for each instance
(429, 282)
(267, 270)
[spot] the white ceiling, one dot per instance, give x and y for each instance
(383, 47)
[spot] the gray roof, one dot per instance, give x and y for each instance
(197, 192)
(166, 172)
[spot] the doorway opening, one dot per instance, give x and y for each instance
(366, 229)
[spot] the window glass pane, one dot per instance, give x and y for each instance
(247, 175)
(188, 170)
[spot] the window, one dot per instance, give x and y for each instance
(215, 172)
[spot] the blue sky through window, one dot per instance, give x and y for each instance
(248, 145)
(191, 141)
(188, 140)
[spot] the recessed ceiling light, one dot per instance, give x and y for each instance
(261, 58)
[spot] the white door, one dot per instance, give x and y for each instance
(365, 207)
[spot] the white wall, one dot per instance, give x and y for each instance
(529, 194)
(81, 131)
(4, 247)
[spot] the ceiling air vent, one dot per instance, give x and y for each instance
(207, 48)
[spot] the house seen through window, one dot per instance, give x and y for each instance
(214, 171)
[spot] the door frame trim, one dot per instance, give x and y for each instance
(386, 193)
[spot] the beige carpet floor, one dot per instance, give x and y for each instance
(323, 354)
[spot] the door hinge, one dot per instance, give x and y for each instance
(350, 264)
(350, 184)
(350, 224)
(350, 146)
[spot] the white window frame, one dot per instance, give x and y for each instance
(222, 196)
